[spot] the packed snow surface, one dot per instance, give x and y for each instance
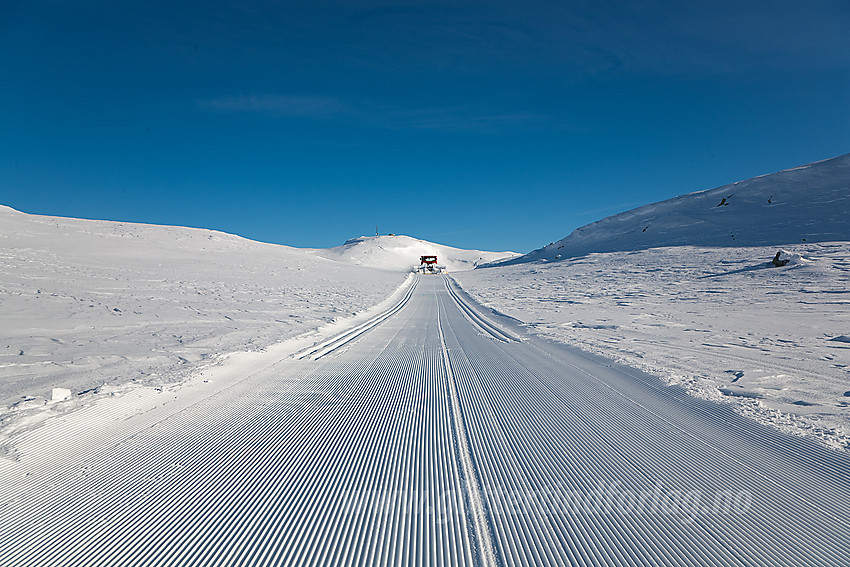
(805, 204)
(399, 252)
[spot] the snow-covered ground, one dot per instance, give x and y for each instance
(435, 438)
(723, 322)
(680, 300)
(93, 306)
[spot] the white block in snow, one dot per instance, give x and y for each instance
(60, 394)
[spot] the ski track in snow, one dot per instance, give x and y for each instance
(471, 480)
(431, 439)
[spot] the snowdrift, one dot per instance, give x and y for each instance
(804, 204)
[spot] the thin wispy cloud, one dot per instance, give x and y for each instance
(280, 105)
(620, 37)
(462, 118)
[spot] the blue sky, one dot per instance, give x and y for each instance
(494, 125)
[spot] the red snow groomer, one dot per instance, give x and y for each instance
(428, 265)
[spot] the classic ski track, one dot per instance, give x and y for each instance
(469, 446)
(326, 347)
(487, 327)
(470, 477)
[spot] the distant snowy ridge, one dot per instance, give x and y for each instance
(401, 253)
(804, 204)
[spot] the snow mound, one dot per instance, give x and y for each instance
(804, 204)
(401, 253)
(785, 258)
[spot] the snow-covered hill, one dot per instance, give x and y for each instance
(804, 204)
(686, 289)
(91, 305)
(401, 253)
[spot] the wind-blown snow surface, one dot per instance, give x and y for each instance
(398, 252)
(724, 322)
(94, 305)
(804, 204)
(685, 288)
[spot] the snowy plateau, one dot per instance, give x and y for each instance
(624, 396)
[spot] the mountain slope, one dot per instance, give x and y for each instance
(401, 253)
(804, 204)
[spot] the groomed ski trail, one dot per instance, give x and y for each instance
(435, 437)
